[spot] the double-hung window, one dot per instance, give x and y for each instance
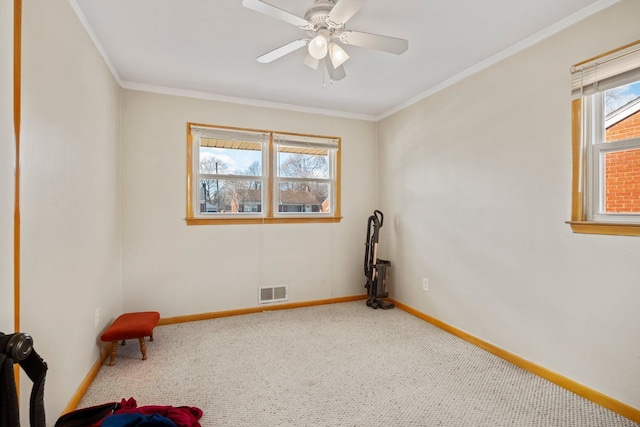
(253, 176)
(305, 167)
(606, 143)
(230, 170)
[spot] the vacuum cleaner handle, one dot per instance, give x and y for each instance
(380, 217)
(368, 249)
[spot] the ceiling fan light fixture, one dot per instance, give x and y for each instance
(337, 54)
(318, 47)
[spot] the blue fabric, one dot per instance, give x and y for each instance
(130, 420)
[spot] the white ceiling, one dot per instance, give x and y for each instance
(207, 48)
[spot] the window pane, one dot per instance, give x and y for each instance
(622, 112)
(232, 161)
(622, 181)
(307, 197)
(298, 162)
(230, 196)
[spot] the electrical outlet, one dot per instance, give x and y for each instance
(425, 284)
(97, 317)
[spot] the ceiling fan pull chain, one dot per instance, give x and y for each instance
(323, 84)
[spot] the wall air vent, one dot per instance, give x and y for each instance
(267, 294)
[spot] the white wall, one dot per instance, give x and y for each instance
(7, 157)
(70, 197)
(476, 183)
(179, 269)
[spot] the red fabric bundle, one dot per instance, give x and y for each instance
(183, 416)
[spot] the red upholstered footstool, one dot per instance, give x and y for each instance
(129, 326)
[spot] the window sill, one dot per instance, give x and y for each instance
(227, 221)
(619, 229)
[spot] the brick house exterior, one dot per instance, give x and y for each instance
(622, 168)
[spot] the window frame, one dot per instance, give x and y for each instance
(269, 212)
(588, 149)
(596, 149)
(222, 176)
(278, 179)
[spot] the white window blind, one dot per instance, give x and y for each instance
(304, 141)
(218, 134)
(606, 72)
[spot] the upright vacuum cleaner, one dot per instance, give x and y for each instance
(378, 271)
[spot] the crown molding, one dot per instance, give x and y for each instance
(243, 101)
(94, 38)
(504, 54)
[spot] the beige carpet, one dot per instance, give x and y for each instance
(336, 365)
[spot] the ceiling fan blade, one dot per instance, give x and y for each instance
(311, 62)
(276, 12)
(344, 10)
(339, 73)
(374, 41)
(282, 51)
(335, 74)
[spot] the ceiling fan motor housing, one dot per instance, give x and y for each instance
(318, 15)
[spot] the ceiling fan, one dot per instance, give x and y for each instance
(325, 23)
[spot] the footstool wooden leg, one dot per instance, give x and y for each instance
(151, 337)
(114, 348)
(143, 348)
